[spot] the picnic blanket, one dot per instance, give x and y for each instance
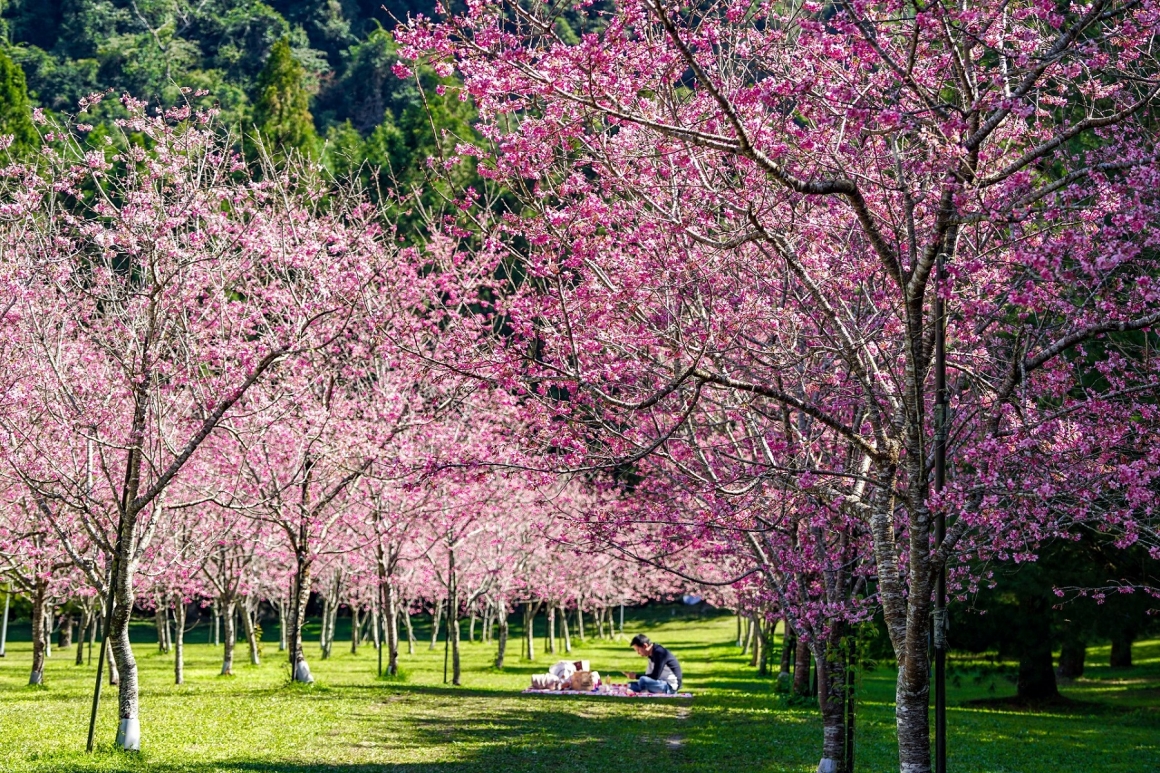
(610, 690)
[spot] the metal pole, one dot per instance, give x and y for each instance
(4, 628)
(940, 522)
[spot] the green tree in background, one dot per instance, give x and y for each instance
(282, 105)
(15, 110)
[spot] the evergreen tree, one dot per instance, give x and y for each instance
(282, 107)
(15, 110)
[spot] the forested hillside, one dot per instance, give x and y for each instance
(315, 75)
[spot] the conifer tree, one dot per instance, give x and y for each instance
(15, 111)
(282, 109)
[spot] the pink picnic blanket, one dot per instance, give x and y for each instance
(610, 690)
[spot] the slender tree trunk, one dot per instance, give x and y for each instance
(530, 629)
(82, 633)
(299, 668)
(324, 636)
(564, 627)
(4, 623)
(600, 622)
(178, 640)
(501, 613)
(392, 619)
(355, 628)
(159, 624)
(551, 628)
(801, 668)
(281, 624)
(740, 637)
(251, 633)
(229, 618)
(1071, 658)
(456, 670)
(217, 619)
(788, 645)
(580, 620)
(129, 728)
(436, 617)
(65, 634)
(38, 641)
(168, 634)
(406, 613)
(111, 664)
(48, 626)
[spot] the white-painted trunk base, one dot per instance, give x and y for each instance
(36, 677)
(129, 734)
(302, 673)
(828, 765)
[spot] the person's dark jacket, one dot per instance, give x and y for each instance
(662, 663)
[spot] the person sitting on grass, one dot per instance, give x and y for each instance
(664, 674)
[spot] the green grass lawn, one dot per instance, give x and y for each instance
(350, 721)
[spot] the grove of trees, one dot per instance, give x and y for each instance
(816, 307)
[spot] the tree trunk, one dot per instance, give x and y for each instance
(324, 636)
(65, 635)
(217, 619)
(299, 669)
(355, 628)
(38, 640)
(281, 625)
(1071, 658)
(580, 621)
(251, 633)
(831, 686)
(501, 613)
(159, 624)
(229, 617)
(564, 631)
(4, 624)
(1121, 656)
(551, 628)
(114, 675)
(600, 623)
(392, 620)
(406, 613)
(801, 668)
(530, 629)
(129, 728)
(436, 617)
(788, 645)
(178, 639)
(755, 636)
(86, 621)
(453, 610)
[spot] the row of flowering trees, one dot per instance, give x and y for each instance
(202, 403)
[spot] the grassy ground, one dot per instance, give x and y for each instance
(351, 722)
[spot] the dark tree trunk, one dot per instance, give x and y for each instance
(1036, 680)
(64, 637)
(1122, 650)
(39, 644)
(1071, 659)
(178, 640)
(801, 668)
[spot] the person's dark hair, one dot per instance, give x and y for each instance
(640, 640)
